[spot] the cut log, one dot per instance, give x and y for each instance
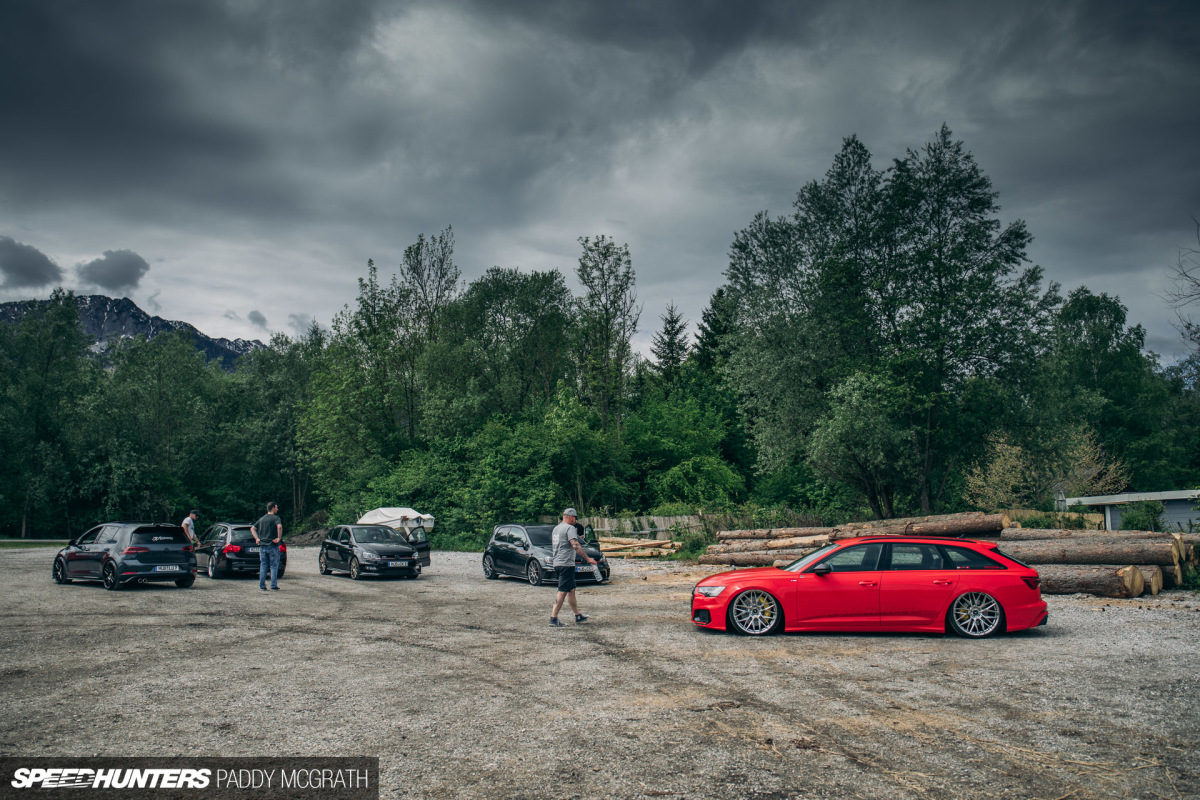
(1152, 577)
(772, 533)
(887, 523)
(1094, 551)
(973, 525)
(1102, 580)
(1042, 534)
(737, 546)
(664, 545)
(751, 559)
(750, 545)
(1173, 577)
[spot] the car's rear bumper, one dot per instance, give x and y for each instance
(1030, 616)
(129, 573)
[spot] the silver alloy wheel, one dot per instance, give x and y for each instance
(322, 563)
(489, 568)
(976, 615)
(212, 567)
(533, 573)
(755, 612)
(354, 568)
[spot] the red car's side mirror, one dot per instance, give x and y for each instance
(821, 569)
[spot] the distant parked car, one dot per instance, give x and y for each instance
(880, 583)
(523, 551)
(368, 550)
(119, 553)
(228, 548)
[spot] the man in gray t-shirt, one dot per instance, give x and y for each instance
(564, 546)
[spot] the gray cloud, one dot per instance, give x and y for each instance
(116, 270)
(300, 323)
(232, 315)
(24, 266)
(257, 319)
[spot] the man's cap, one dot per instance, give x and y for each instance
(194, 511)
(570, 512)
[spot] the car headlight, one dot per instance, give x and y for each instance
(367, 555)
(709, 591)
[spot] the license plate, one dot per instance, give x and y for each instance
(253, 549)
(397, 563)
(171, 568)
(583, 569)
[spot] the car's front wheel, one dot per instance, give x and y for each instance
(755, 613)
(975, 615)
(214, 568)
(109, 577)
(533, 573)
(322, 563)
(184, 583)
(60, 572)
(489, 568)
(355, 571)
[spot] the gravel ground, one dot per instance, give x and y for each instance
(462, 690)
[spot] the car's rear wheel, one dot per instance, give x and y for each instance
(282, 569)
(60, 572)
(755, 613)
(322, 563)
(489, 568)
(975, 615)
(355, 571)
(109, 577)
(184, 583)
(533, 573)
(214, 568)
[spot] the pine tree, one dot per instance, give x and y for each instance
(670, 346)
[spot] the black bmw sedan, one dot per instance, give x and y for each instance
(368, 550)
(120, 553)
(228, 548)
(523, 551)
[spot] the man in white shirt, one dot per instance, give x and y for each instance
(189, 525)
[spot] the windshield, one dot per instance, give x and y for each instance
(377, 535)
(539, 535)
(800, 563)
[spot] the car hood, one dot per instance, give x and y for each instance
(388, 549)
(725, 578)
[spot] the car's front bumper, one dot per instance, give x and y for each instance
(381, 568)
(709, 612)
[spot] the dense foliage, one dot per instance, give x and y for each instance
(885, 349)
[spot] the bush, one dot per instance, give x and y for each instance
(694, 542)
(1146, 515)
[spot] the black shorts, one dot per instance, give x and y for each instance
(566, 578)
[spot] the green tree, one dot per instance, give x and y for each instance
(609, 316)
(670, 347)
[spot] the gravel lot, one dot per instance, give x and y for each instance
(462, 690)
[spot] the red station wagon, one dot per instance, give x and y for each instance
(878, 583)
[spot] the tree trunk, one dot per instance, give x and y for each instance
(1049, 534)
(946, 526)
(1152, 576)
(755, 545)
(761, 559)
(1098, 579)
(1094, 551)
(773, 533)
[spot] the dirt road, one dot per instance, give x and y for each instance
(462, 690)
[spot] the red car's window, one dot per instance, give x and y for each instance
(966, 558)
(916, 556)
(859, 558)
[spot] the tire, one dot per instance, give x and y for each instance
(355, 570)
(59, 573)
(214, 568)
(109, 578)
(489, 569)
(755, 613)
(184, 583)
(282, 569)
(975, 615)
(322, 564)
(533, 574)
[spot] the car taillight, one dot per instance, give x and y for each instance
(1032, 583)
(129, 551)
(231, 548)
(282, 547)
(187, 548)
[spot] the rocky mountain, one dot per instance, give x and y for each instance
(109, 319)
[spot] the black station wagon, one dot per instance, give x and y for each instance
(119, 553)
(228, 548)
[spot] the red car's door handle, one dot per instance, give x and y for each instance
(866, 583)
(942, 583)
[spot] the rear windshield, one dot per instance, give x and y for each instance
(539, 535)
(245, 534)
(159, 536)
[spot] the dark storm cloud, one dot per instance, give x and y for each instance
(300, 323)
(257, 319)
(24, 266)
(116, 270)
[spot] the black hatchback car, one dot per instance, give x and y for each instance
(523, 551)
(228, 548)
(118, 553)
(368, 550)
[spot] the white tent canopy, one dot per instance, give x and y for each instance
(395, 518)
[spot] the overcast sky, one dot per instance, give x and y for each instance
(235, 164)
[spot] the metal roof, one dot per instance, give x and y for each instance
(1132, 497)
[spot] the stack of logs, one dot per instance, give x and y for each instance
(1105, 563)
(617, 547)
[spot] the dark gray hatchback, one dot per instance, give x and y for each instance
(118, 553)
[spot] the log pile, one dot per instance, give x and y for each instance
(619, 547)
(1103, 563)
(765, 546)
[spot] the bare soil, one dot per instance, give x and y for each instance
(463, 691)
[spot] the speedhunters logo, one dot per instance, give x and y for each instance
(197, 778)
